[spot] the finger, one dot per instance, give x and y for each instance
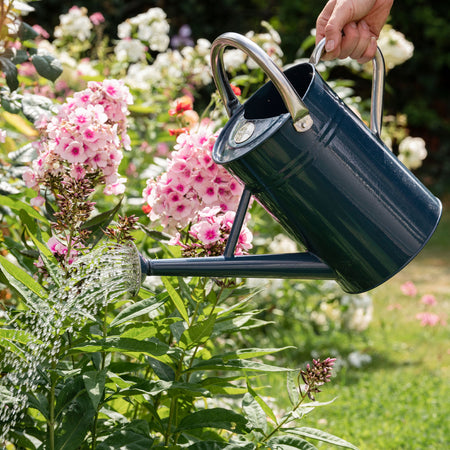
(343, 13)
(370, 51)
(349, 40)
(363, 41)
(322, 20)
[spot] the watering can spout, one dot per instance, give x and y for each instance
(290, 265)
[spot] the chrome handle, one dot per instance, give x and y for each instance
(297, 109)
(376, 105)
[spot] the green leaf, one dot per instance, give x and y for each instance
(140, 308)
(162, 371)
(26, 32)
(252, 366)
(321, 436)
(289, 443)
(262, 404)
(21, 281)
(20, 56)
(256, 416)
(215, 418)
(20, 336)
(48, 259)
(176, 299)
(35, 106)
(68, 392)
(125, 440)
(76, 424)
(101, 220)
(94, 382)
(47, 66)
(292, 388)
(17, 205)
(198, 333)
(173, 388)
(10, 71)
(247, 353)
(151, 347)
(40, 403)
(217, 445)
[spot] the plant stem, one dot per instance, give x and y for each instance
(287, 418)
(51, 405)
(102, 366)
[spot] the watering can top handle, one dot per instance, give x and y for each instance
(376, 107)
(297, 109)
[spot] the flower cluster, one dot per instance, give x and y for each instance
(85, 137)
(170, 69)
(192, 181)
(317, 375)
(150, 27)
(269, 42)
(395, 47)
(75, 23)
(412, 151)
(197, 192)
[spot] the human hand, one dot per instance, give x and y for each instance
(351, 27)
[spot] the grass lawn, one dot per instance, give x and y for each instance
(401, 399)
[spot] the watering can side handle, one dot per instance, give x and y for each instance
(297, 109)
(379, 71)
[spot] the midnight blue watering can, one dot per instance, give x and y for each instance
(327, 178)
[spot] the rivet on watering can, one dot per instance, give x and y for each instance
(303, 124)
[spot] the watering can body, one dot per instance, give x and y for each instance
(328, 179)
(335, 187)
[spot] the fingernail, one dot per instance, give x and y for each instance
(329, 46)
(353, 25)
(364, 24)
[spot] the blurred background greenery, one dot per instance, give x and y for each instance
(419, 88)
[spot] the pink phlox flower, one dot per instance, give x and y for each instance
(30, 179)
(116, 188)
(41, 31)
(429, 300)
(37, 201)
(77, 171)
(97, 18)
(428, 319)
(74, 153)
(206, 232)
(409, 288)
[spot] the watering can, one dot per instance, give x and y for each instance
(327, 178)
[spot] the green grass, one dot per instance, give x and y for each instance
(401, 400)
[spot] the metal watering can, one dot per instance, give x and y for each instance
(325, 176)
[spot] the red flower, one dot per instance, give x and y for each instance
(146, 209)
(181, 105)
(178, 131)
(235, 89)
